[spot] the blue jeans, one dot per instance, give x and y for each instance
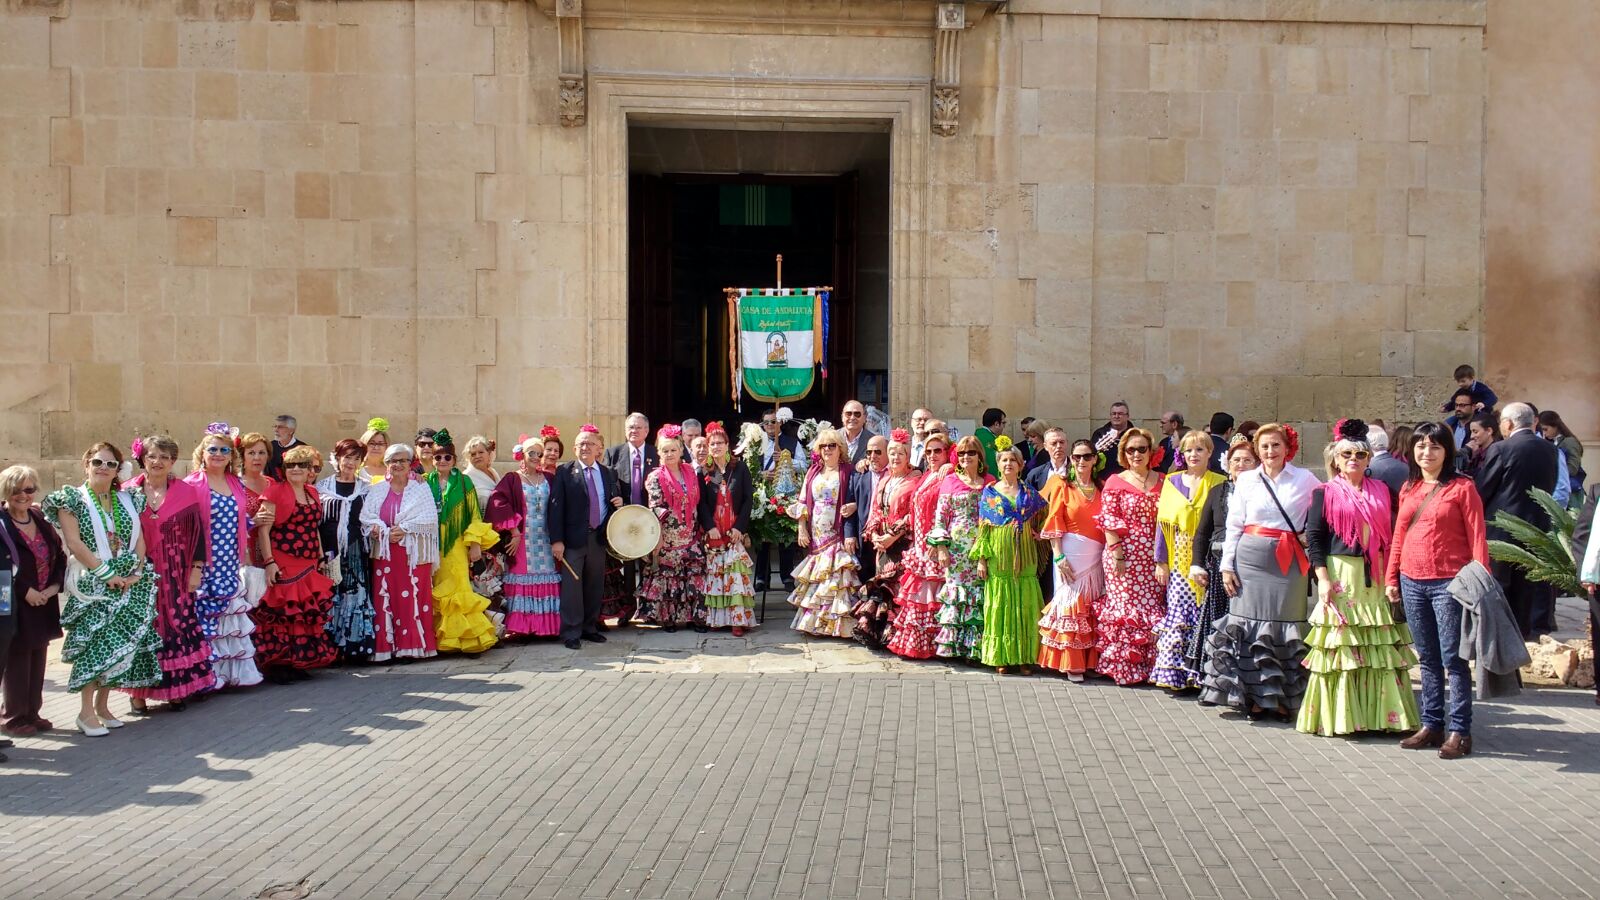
(1435, 620)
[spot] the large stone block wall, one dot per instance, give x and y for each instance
(345, 208)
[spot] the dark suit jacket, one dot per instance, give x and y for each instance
(567, 516)
(739, 491)
(861, 485)
(1036, 479)
(1510, 468)
(861, 445)
(1391, 470)
(1112, 466)
(1581, 529)
(619, 459)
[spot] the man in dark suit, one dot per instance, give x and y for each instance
(1582, 533)
(863, 487)
(1221, 430)
(1385, 466)
(632, 460)
(582, 496)
(856, 432)
(1056, 445)
(1172, 432)
(1510, 467)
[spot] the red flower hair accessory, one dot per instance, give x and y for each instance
(671, 432)
(588, 428)
(900, 436)
(1293, 442)
(715, 428)
(548, 432)
(516, 452)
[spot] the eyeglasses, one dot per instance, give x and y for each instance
(1084, 457)
(399, 461)
(872, 452)
(297, 465)
(939, 450)
(853, 415)
(1140, 449)
(444, 457)
(1353, 454)
(830, 447)
(219, 451)
(30, 491)
(964, 453)
(103, 463)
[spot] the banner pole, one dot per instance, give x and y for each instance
(780, 271)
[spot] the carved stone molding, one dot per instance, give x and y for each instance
(571, 69)
(951, 22)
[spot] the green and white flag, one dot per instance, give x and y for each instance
(779, 344)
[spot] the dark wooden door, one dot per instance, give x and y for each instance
(649, 294)
(841, 384)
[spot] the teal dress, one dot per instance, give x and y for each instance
(1011, 597)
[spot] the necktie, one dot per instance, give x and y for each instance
(638, 473)
(591, 475)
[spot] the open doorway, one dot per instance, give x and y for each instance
(710, 208)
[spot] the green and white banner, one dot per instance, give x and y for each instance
(779, 343)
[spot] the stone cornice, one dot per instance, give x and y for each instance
(1471, 13)
(873, 18)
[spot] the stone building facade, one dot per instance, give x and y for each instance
(419, 208)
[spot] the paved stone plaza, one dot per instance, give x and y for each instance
(685, 765)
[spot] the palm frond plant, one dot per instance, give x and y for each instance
(1544, 555)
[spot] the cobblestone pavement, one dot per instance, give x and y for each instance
(774, 766)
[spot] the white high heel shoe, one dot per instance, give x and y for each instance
(91, 730)
(111, 722)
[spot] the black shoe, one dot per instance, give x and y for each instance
(761, 587)
(669, 628)
(7, 743)
(594, 637)
(572, 644)
(702, 629)
(788, 585)
(601, 625)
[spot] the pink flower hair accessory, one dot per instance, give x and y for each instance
(516, 452)
(588, 428)
(136, 449)
(671, 432)
(900, 436)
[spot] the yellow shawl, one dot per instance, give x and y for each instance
(1177, 514)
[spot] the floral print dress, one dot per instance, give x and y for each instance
(826, 581)
(674, 576)
(955, 529)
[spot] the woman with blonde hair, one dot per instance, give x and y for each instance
(1183, 499)
(955, 530)
(41, 565)
(224, 600)
(1258, 647)
(517, 507)
(111, 589)
(1135, 603)
(174, 533)
(374, 443)
(292, 619)
(673, 577)
(1360, 656)
(826, 580)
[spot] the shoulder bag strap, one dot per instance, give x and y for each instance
(1274, 495)
(1417, 514)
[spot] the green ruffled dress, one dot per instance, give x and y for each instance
(1359, 659)
(1012, 601)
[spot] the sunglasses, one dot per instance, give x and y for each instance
(444, 457)
(426, 445)
(1084, 457)
(871, 452)
(853, 415)
(28, 491)
(103, 464)
(297, 465)
(964, 453)
(220, 451)
(1137, 450)
(830, 447)
(1353, 454)
(939, 450)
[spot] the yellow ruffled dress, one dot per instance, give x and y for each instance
(458, 615)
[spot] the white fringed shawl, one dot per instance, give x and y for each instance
(338, 507)
(418, 517)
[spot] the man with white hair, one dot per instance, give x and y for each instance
(920, 418)
(1385, 466)
(1510, 467)
(633, 460)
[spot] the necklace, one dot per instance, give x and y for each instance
(108, 519)
(28, 520)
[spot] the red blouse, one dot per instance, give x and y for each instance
(1448, 535)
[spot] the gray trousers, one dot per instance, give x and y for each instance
(580, 597)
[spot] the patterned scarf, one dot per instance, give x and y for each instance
(1360, 517)
(458, 507)
(681, 497)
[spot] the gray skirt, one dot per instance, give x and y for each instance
(1255, 651)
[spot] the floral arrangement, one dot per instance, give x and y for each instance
(771, 494)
